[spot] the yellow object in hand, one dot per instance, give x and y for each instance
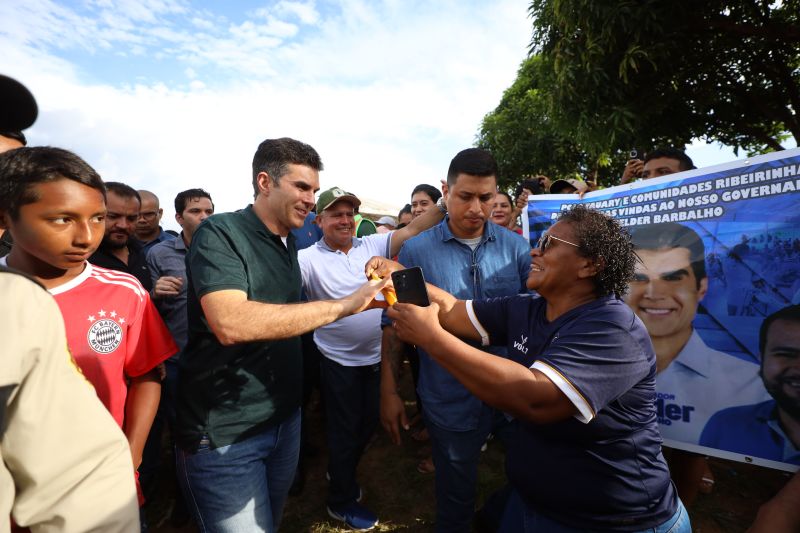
(388, 294)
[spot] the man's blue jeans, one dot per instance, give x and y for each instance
(455, 456)
(241, 487)
(522, 518)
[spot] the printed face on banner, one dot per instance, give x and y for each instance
(780, 366)
(664, 292)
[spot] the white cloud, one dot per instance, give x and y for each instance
(387, 92)
(251, 32)
(202, 23)
(44, 23)
(306, 12)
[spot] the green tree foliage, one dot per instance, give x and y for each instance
(618, 74)
(526, 142)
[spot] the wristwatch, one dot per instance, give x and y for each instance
(441, 205)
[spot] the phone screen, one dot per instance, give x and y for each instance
(409, 284)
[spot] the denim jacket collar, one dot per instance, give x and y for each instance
(489, 229)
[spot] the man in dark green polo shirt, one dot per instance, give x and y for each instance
(240, 381)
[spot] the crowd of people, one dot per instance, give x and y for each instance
(217, 332)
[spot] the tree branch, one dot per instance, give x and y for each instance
(778, 32)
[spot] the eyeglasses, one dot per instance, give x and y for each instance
(545, 240)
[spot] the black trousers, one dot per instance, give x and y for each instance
(352, 396)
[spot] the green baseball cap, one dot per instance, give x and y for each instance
(333, 195)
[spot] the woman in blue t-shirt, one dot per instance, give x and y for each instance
(579, 378)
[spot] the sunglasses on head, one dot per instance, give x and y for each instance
(546, 239)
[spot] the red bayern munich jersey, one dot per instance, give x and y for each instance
(113, 331)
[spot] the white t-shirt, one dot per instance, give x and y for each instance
(472, 243)
(331, 274)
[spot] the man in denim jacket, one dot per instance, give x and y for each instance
(472, 258)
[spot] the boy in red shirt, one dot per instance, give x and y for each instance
(53, 203)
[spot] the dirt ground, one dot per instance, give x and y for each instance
(404, 499)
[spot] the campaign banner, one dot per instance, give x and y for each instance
(720, 258)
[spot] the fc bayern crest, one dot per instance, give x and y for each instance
(105, 336)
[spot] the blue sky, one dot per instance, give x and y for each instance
(167, 95)
(174, 42)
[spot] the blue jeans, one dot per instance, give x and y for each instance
(455, 456)
(521, 518)
(241, 487)
(352, 398)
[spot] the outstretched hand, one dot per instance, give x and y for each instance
(364, 297)
(415, 324)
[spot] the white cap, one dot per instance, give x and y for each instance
(387, 221)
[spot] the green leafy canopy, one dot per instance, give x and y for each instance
(606, 76)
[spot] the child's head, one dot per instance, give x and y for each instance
(53, 203)
(22, 169)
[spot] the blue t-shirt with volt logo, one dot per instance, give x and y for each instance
(603, 468)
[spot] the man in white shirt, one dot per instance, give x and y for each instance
(350, 346)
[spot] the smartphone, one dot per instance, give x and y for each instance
(634, 153)
(409, 285)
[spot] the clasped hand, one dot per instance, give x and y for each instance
(413, 324)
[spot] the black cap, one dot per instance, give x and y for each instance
(18, 108)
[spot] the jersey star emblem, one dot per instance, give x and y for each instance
(101, 313)
(113, 314)
(91, 318)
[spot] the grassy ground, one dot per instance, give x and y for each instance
(404, 499)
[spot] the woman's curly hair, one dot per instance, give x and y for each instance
(603, 240)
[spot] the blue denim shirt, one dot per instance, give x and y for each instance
(499, 266)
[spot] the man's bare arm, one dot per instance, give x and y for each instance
(235, 319)
(391, 359)
(781, 513)
(426, 220)
(392, 409)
